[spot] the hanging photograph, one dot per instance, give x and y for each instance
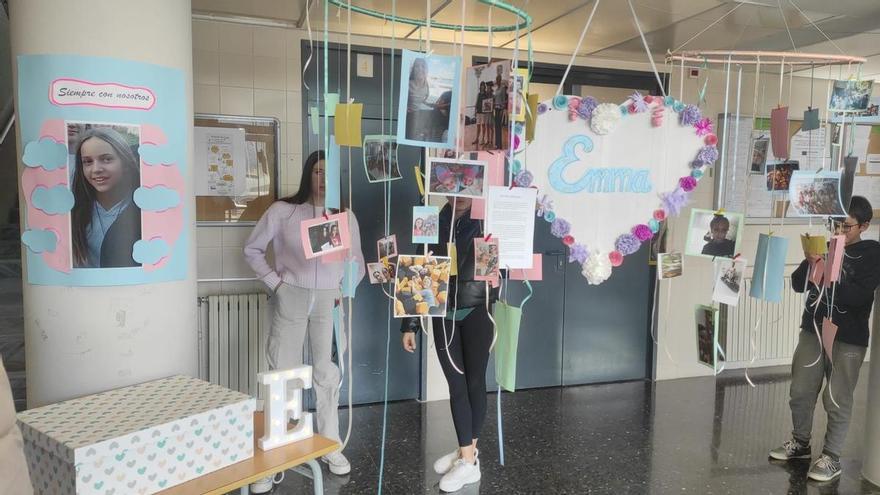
(669, 265)
(380, 158)
(778, 174)
(325, 235)
(421, 285)
(486, 259)
(712, 234)
(487, 96)
(428, 109)
(387, 246)
(706, 319)
(380, 273)
(816, 194)
(449, 177)
(760, 145)
(850, 96)
(425, 226)
(728, 280)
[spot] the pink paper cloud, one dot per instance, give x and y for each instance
(151, 134)
(165, 224)
(54, 129)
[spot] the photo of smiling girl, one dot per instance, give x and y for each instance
(105, 222)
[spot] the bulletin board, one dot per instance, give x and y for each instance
(260, 188)
(867, 179)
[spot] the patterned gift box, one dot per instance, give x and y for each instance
(139, 439)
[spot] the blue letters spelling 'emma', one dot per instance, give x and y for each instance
(596, 180)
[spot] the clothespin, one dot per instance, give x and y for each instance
(720, 212)
(737, 256)
(326, 217)
(488, 236)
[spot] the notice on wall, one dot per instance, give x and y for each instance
(809, 148)
(510, 216)
(221, 163)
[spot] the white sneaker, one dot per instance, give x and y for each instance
(462, 473)
(337, 463)
(263, 485)
(445, 463)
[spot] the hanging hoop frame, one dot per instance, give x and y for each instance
(524, 23)
(751, 58)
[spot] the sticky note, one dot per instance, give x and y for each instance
(531, 116)
(834, 260)
(536, 272)
(767, 278)
(452, 252)
(330, 102)
(332, 194)
(811, 119)
(779, 132)
(814, 244)
(348, 124)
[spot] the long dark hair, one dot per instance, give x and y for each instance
(83, 192)
(305, 183)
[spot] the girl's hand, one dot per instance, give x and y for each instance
(409, 341)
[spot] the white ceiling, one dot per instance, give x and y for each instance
(854, 25)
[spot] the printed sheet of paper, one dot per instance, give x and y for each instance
(536, 272)
(869, 187)
(221, 161)
(873, 164)
(860, 144)
(510, 216)
(738, 162)
(807, 148)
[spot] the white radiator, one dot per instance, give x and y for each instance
(236, 327)
(777, 334)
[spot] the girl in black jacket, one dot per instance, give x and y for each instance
(468, 331)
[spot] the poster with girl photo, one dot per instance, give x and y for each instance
(426, 224)
(486, 259)
(325, 235)
(105, 171)
(450, 177)
(486, 113)
(728, 280)
(428, 110)
(380, 158)
(712, 234)
(387, 247)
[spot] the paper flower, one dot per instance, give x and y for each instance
(542, 108)
(687, 183)
(545, 204)
(549, 216)
(690, 115)
(639, 104)
(627, 244)
(649, 99)
(596, 269)
(669, 101)
(659, 215)
(707, 155)
(516, 166)
(624, 110)
(657, 116)
(654, 225)
(586, 107)
(568, 240)
(560, 102)
(678, 106)
(573, 104)
(615, 258)
(674, 201)
(579, 253)
(605, 118)
(704, 127)
(697, 174)
(711, 139)
(642, 232)
(523, 179)
(560, 228)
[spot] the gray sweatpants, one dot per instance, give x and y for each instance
(806, 382)
(297, 311)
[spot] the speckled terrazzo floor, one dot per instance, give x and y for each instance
(692, 436)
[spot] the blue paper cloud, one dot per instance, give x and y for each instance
(149, 252)
(158, 198)
(40, 241)
(45, 153)
(156, 155)
(54, 200)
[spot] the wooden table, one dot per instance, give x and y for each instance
(263, 464)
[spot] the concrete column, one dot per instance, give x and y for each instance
(82, 340)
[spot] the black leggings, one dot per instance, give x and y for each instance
(470, 353)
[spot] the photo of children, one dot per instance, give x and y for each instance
(779, 175)
(428, 107)
(487, 89)
(449, 177)
(760, 145)
(669, 265)
(486, 259)
(104, 169)
(816, 194)
(706, 325)
(728, 280)
(426, 221)
(380, 273)
(387, 246)
(420, 286)
(380, 158)
(850, 96)
(712, 234)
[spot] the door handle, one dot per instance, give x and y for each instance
(555, 252)
(560, 258)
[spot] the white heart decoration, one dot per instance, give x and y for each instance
(607, 179)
